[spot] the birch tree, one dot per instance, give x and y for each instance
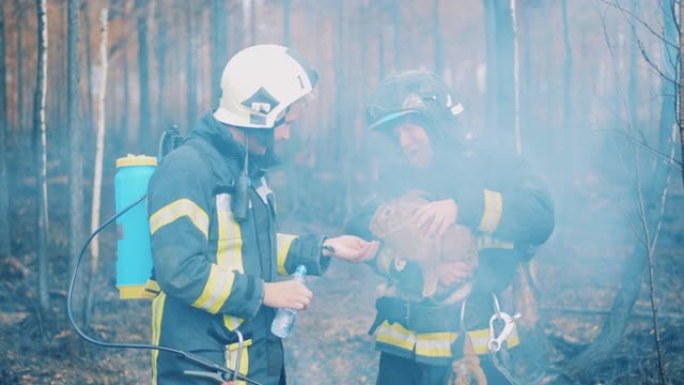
(99, 153)
(40, 150)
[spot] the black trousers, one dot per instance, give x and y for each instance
(200, 333)
(396, 370)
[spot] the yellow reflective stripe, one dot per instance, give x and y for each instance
(435, 344)
(284, 241)
(487, 242)
(157, 311)
(178, 209)
(513, 340)
(229, 248)
(492, 211)
(480, 339)
(395, 334)
(231, 357)
(216, 290)
(233, 347)
(231, 322)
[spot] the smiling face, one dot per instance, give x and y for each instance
(415, 143)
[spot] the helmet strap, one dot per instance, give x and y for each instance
(245, 163)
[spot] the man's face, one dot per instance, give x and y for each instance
(281, 132)
(415, 143)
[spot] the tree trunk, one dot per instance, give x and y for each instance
(381, 53)
(286, 22)
(160, 51)
(338, 68)
(253, 22)
(145, 131)
(568, 145)
(125, 120)
(500, 94)
(437, 39)
(395, 13)
(516, 79)
(20, 64)
(633, 79)
(219, 33)
(680, 112)
(40, 147)
(190, 57)
(97, 178)
(76, 195)
(5, 229)
(89, 72)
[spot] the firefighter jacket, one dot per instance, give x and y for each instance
(210, 267)
(509, 210)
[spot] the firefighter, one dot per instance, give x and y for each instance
(422, 338)
(217, 253)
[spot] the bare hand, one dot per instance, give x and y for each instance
(288, 294)
(434, 219)
(453, 272)
(350, 248)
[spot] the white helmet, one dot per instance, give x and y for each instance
(260, 82)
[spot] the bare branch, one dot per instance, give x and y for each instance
(616, 4)
(648, 60)
(641, 142)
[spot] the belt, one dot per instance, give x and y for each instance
(417, 316)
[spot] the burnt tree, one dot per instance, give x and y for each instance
(75, 130)
(5, 233)
(500, 93)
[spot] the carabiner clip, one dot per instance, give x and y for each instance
(496, 342)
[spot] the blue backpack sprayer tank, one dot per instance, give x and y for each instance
(134, 254)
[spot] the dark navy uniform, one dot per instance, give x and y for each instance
(210, 267)
(509, 210)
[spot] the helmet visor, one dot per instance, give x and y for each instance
(388, 120)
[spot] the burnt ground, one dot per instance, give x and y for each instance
(578, 275)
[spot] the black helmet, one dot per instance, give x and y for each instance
(412, 95)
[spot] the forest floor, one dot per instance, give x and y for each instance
(578, 274)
